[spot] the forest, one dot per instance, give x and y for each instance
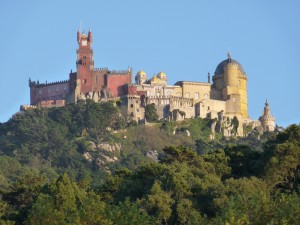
(87, 163)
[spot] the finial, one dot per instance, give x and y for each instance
(267, 103)
(229, 54)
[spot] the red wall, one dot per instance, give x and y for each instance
(99, 75)
(48, 92)
(116, 82)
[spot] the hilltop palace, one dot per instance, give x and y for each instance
(223, 99)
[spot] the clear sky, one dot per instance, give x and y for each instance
(185, 39)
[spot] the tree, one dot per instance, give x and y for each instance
(159, 203)
(187, 214)
(151, 113)
(128, 213)
(283, 168)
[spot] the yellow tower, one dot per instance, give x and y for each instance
(230, 81)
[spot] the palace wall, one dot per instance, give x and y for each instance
(51, 91)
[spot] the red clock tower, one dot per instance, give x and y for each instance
(85, 62)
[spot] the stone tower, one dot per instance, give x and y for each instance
(84, 63)
(267, 120)
(230, 84)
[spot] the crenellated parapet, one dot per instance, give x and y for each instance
(120, 72)
(37, 84)
(101, 69)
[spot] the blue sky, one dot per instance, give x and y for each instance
(184, 39)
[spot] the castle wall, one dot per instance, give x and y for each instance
(42, 92)
(116, 82)
(196, 90)
(131, 106)
(177, 91)
(242, 90)
(99, 79)
(233, 106)
(210, 108)
(183, 104)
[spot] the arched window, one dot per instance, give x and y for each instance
(187, 94)
(197, 95)
(206, 96)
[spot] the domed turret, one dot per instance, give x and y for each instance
(141, 77)
(221, 68)
(230, 81)
(162, 76)
(267, 120)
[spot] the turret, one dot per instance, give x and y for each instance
(90, 37)
(230, 81)
(78, 36)
(267, 120)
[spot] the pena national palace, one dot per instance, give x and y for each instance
(222, 98)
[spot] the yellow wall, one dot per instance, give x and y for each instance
(195, 88)
(242, 90)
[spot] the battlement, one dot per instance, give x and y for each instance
(133, 96)
(101, 69)
(119, 72)
(38, 84)
(27, 107)
(158, 97)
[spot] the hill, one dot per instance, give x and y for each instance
(88, 164)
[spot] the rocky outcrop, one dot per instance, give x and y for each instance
(102, 154)
(152, 154)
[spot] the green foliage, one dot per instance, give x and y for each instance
(180, 154)
(159, 203)
(127, 213)
(151, 113)
(44, 178)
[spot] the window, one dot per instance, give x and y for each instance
(187, 94)
(197, 95)
(40, 91)
(233, 99)
(84, 57)
(206, 96)
(239, 82)
(131, 105)
(208, 108)
(84, 81)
